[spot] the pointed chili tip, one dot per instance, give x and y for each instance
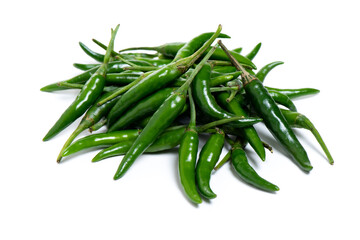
(276, 188)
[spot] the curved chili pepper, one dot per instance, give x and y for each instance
(267, 109)
(238, 50)
(207, 104)
(113, 67)
(208, 158)
(261, 74)
(249, 133)
(194, 44)
(282, 99)
(295, 93)
(251, 55)
(88, 95)
(165, 115)
(85, 67)
(92, 116)
(101, 139)
(94, 55)
(155, 81)
(187, 156)
(169, 139)
(246, 172)
(299, 120)
(144, 107)
(154, 62)
(123, 78)
(224, 69)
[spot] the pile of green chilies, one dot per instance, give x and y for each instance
(152, 102)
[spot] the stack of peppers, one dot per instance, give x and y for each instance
(152, 99)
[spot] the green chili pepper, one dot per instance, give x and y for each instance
(207, 104)
(123, 78)
(187, 156)
(100, 140)
(88, 95)
(144, 107)
(282, 99)
(153, 82)
(194, 44)
(85, 67)
(249, 133)
(167, 140)
(166, 113)
(96, 56)
(92, 116)
(238, 50)
(209, 155)
(251, 55)
(299, 120)
(113, 67)
(246, 172)
(224, 69)
(267, 109)
(295, 93)
(261, 74)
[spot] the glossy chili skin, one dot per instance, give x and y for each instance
(113, 67)
(207, 103)
(295, 93)
(249, 133)
(156, 80)
(282, 99)
(263, 72)
(208, 158)
(161, 119)
(81, 78)
(141, 109)
(101, 139)
(153, 82)
(246, 172)
(88, 95)
(94, 55)
(267, 109)
(91, 117)
(85, 67)
(167, 140)
(194, 44)
(251, 55)
(123, 78)
(299, 120)
(187, 163)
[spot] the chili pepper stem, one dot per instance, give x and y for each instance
(310, 126)
(77, 131)
(186, 85)
(223, 161)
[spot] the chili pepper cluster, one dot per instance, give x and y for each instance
(152, 102)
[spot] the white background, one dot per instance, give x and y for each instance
(319, 43)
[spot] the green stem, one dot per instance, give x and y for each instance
(192, 123)
(111, 44)
(307, 124)
(77, 131)
(123, 89)
(218, 122)
(98, 125)
(223, 161)
(232, 95)
(222, 89)
(186, 85)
